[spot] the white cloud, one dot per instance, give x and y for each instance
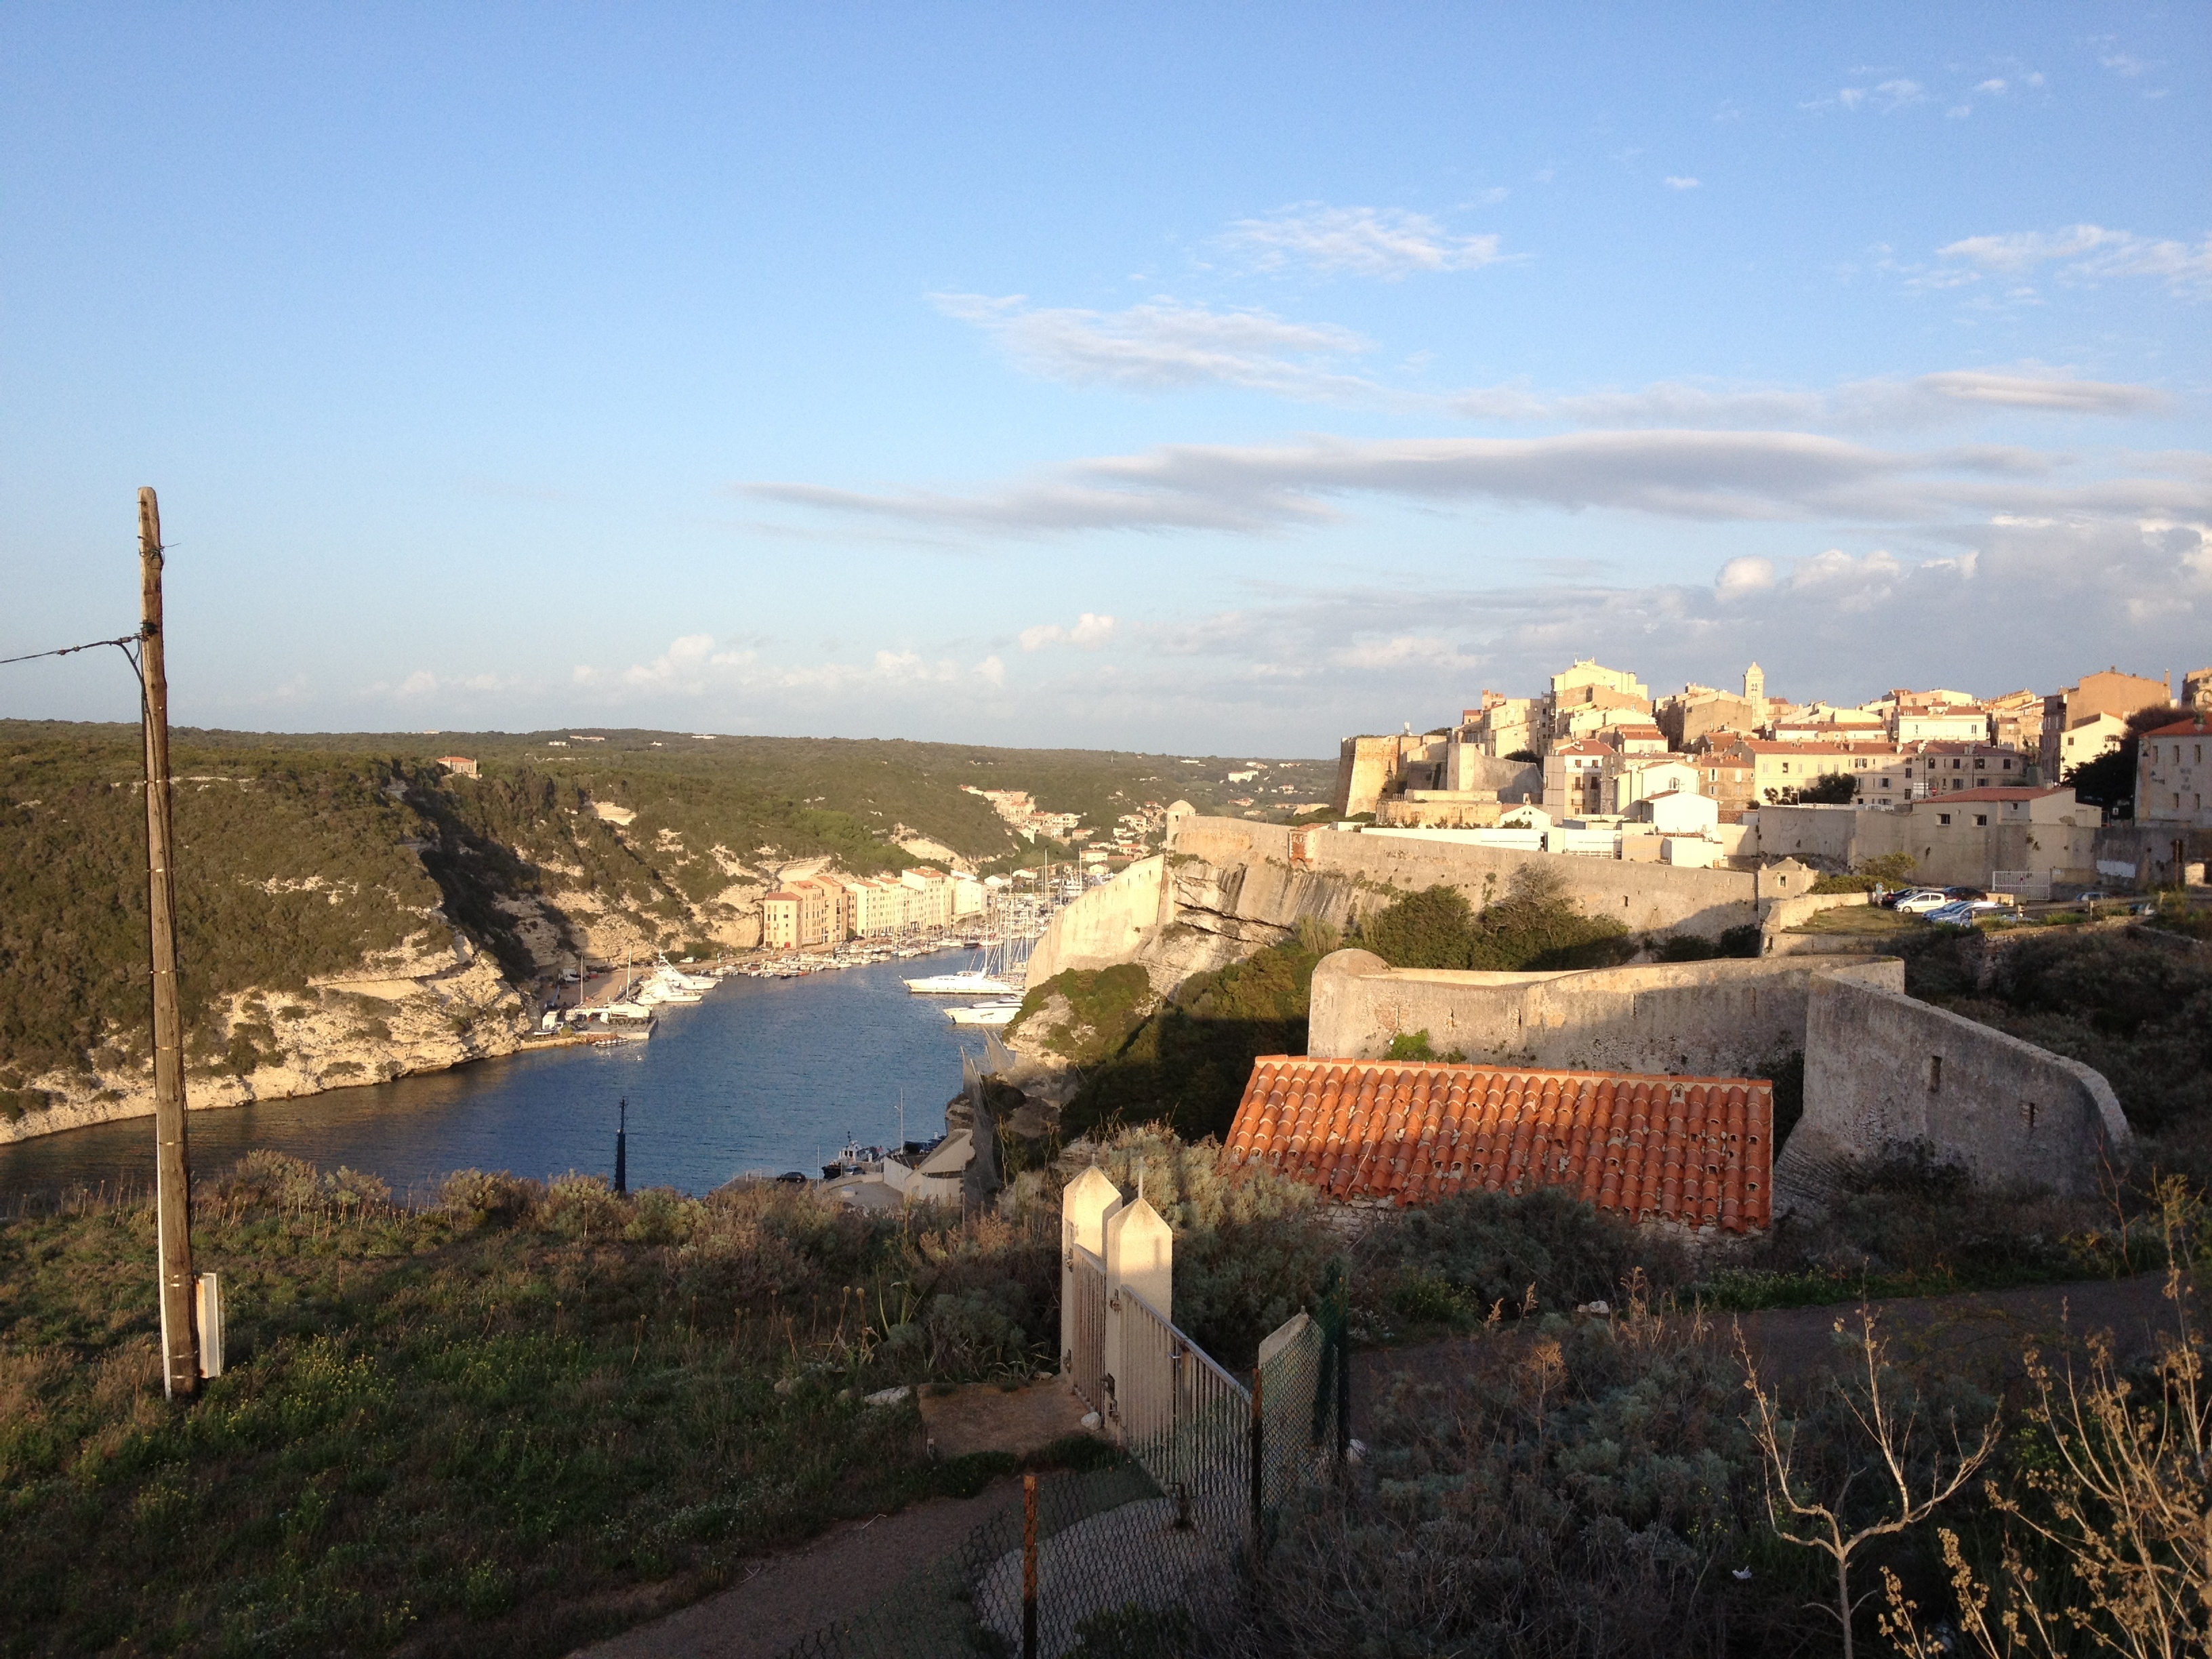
(1674, 182)
(692, 667)
(1714, 477)
(1089, 633)
(423, 684)
(1164, 346)
(1886, 96)
(1993, 86)
(1389, 243)
(2085, 254)
(1743, 576)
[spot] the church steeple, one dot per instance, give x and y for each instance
(1754, 688)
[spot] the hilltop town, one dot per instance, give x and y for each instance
(2016, 792)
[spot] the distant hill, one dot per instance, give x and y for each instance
(308, 858)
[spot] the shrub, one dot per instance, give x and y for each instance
(498, 1200)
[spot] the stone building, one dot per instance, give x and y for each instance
(2109, 692)
(2173, 782)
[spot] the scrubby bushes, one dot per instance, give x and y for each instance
(1587, 1490)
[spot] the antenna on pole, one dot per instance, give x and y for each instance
(172, 1178)
(622, 1146)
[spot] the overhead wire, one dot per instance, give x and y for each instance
(123, 644)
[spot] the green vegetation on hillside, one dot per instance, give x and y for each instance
(535, 1415)
(289, 865)
(503, 1426)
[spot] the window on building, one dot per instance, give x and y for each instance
(1942, 817)
(1981, 820)
(1980, 764)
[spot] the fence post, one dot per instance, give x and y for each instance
(1259, 1471)
(1140, 1254)
(1085, 1204)
(1344, 1388)
(1029, 1568)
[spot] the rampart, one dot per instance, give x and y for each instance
(1106, 924)
(1225, 872)
(1882, 1069)
(1721, 1018)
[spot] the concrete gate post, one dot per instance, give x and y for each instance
(1085, 1204)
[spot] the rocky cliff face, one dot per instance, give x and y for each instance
(437, 1003)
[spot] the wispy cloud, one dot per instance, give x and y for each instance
(1089, 633)
(1389, 243)
(694, 665)
(1884, 95)
(2084, 254)
(1678, 182)
(1699, 476)
(1881, 404)
(1165, 346)
(425, 683)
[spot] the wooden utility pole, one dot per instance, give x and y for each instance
(172, 1176)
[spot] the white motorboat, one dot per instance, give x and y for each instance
(985, 1013)
(671, 974)
(967, 982)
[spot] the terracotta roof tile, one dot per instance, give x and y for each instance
(1694, 1150)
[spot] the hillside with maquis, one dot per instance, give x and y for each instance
(351, 911)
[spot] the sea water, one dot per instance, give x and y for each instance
(763, 1075)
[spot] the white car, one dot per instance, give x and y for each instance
(1920, 903)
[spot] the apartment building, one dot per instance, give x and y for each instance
(2083, 741)
(2173, 785)
(1575, 777)
(1777, 768)
(2110, 692)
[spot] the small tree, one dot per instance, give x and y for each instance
(1801, 1517)
(2123, 1498)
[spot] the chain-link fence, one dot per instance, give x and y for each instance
(1150, 1557)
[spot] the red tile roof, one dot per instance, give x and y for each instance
(2188, 728)
(1689, 1149)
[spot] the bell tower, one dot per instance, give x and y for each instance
(1754, 688)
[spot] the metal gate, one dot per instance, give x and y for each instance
(1087, 1362)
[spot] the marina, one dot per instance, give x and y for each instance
(772, 1071)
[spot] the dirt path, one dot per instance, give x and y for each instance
(848, 1568)
(842, 1572)
(1979, 1333)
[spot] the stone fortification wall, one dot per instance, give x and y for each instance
(1821, 835)
(1106, 924)
(1881, 1069)
(1286, 873)
(1722, 1019)
(1783, 914)
(1514, 780)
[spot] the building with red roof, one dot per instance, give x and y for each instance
(1690, 1150)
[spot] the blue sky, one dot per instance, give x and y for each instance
(1197, 378)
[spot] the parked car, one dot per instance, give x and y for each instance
(1957, 914)
(1922, 901)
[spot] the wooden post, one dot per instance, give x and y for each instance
(1029, 1568)
(172, 1179)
